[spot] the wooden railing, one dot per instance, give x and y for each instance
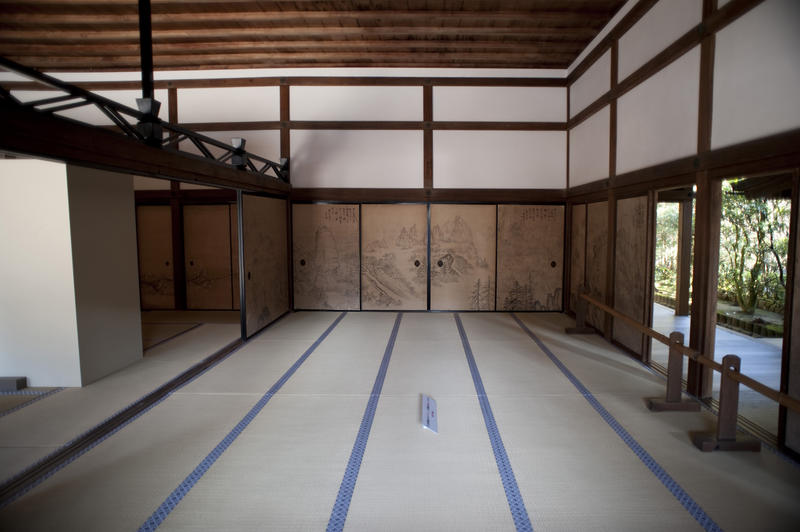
(725, 437)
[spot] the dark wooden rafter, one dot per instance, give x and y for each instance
(61, 35)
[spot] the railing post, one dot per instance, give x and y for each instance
(581, 310)
(725, 438)
(673, 400)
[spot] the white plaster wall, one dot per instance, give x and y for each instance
(592, 84)
(662, 25)
(589, 149)
(757, 74)
(355, 103)
(615, 20)
(356, 158)
(657, 120)
(500, 104)
(229, 104)
(105, 268)
(38, 323)
(499, 159)
(263, 142)
(89, 113)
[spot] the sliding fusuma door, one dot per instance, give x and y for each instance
(394, 251)
(266, 268)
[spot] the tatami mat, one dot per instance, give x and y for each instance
(411, 478)
(740, 491)
(58, 419)
(157, 333)
(284, 470)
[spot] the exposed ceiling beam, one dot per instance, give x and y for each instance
(34, 133)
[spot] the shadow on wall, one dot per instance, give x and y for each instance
(310, 150)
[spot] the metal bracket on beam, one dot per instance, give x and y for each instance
(149, 125)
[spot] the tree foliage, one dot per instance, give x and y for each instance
(666, 266)
(754, 243)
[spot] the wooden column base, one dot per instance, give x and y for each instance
(659, 404)
(707, 442)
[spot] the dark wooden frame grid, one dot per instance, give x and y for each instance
(776, 152)
(706, 169)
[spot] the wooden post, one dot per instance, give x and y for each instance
(704, 281)
(673, 399)
(684, 258)
(581, 309)
(725, 437)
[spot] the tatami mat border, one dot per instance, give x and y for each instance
(36, 473)
(515, 502)
(694, 509)
(342, 504)
(37, 396)
(174, 498)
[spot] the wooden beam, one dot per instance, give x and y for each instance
(255, 59)
(422, 195)
(334, 81)
(427, 148)
(33, 133)
(232, 47)
(189, 16)
(295, 32)
(713, 23)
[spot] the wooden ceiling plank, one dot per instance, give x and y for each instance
(383, 18)
(39, 35)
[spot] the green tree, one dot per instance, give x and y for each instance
(666, 248)
(753, 247)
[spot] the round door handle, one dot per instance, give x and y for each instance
(552, 264)
(166, 263)
(440, 264)
(191, 263)
(302, 262)
(416, 263)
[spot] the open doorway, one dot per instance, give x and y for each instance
(674, 257)
(751, 288)
(187, 239)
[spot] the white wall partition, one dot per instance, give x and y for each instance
(357, 158)
(662, 25)
(70, 311)
(592, 84)
(229, 104)
(657, 120)
(38, 321)
(757, 74)
(105, 269)
(499, 159)
(500, 104)
(355, 103)
(589, 149)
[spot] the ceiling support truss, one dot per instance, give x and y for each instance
(143, 125)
